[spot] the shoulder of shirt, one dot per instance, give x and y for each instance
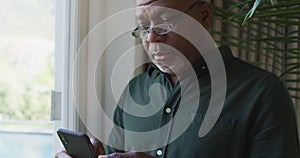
(237, 67)
(257, 72)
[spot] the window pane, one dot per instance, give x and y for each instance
(27, 77)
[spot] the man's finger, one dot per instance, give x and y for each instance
(114, 155)
(62, 154)
(98, 147)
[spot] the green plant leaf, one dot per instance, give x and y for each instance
(252, 10)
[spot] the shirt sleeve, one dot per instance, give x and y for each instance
(274, 131)
(116, 137)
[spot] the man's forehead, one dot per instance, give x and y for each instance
(175, 4)
(154, 2)
(154, 8)
(145, 2)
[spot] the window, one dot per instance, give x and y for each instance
(27, 77)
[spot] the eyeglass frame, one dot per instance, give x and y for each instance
(152, 29)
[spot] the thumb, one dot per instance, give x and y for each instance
(97, 145)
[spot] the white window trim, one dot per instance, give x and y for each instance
(62, 68)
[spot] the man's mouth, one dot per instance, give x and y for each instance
(161, 56)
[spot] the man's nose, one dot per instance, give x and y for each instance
(154, 37)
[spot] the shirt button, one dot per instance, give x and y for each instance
(159, 152)
(168, 110)
(203, 67)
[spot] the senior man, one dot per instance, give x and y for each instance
(257, 119)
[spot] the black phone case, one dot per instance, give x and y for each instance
(77, 144)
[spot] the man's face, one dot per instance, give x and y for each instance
(169, 52)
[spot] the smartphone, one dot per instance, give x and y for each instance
(77, 144)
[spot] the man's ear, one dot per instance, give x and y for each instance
(204, 12)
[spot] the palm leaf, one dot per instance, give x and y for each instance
(266, 31)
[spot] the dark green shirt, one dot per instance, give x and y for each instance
(257, 120)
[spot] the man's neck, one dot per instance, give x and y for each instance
(174, 79)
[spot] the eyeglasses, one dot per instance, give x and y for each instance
(161, 29)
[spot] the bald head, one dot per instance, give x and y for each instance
(201, 13)
(144, 2)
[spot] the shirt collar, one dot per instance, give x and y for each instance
(200, 66)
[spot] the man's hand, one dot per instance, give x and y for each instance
(127, 155)
(98, 148)
(62, 154)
